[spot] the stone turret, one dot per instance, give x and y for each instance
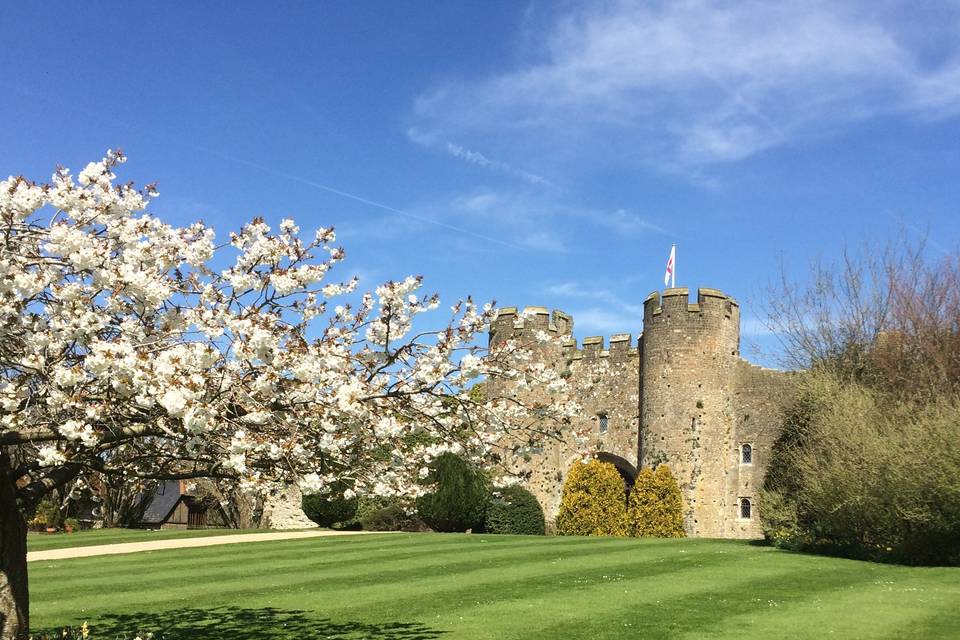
(689, 360)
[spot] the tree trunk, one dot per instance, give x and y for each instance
(14, 596)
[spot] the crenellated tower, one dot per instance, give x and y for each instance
(688, 416)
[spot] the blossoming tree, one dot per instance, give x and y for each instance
(134, 349)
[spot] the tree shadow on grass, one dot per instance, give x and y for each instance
(235, 623)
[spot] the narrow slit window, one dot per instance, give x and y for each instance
(603, 422)
(745, 508)
(746, 454)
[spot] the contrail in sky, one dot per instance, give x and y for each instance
(351, 196)
(168, 136)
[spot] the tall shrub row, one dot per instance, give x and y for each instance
(860, 474)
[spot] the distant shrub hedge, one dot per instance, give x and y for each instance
(594, 502)
(330, 508)
(459, 497)
(515, 511)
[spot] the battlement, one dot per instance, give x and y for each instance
(672, 303)
(677, 301)
(678, 393)
(511, 323)
(622, 346)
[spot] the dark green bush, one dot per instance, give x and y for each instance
(514, 510)
(459, 497)
(392, 517)
(330, 508)
(366, 505)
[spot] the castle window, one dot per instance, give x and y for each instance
(745, 508)
(603, 422)
(746, 454)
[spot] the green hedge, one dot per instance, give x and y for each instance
(515, 511)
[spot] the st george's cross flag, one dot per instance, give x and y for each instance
(670, 274)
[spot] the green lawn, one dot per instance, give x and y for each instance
(421, 586)
(44, 541)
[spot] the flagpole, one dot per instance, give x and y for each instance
(673, 274)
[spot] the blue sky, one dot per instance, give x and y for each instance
(533, 153)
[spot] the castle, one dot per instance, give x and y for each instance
(680, 395)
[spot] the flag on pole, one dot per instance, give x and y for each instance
(670, 277)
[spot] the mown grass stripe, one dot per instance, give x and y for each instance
(571, 579)
(221, 564)
(829, 610)
(313, 553)
(500, 587)
(236, 579)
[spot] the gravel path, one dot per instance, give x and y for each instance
(134, 547)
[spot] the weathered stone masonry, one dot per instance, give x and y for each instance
(680, 395)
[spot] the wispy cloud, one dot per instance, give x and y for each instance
(685, 85)
(536, 215)
(625, 222)
(754, 327)
(616, 314)
(579, 290)
(409, 215)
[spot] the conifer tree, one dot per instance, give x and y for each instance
(670, 503)
(593, 501)
(656, 506)
(643, 508)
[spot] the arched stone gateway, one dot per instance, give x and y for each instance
(627, 471)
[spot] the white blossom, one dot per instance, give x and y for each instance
(49, 455)
(125, 348)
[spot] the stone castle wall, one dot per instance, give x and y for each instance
(604, 380)
(680, 394)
